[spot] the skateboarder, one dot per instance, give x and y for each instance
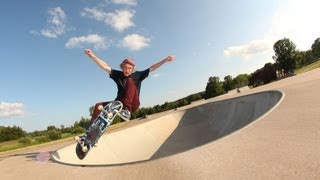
(128, 83)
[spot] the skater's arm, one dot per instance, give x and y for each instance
(157, 65)
(98, 61)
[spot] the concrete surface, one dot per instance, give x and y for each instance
(176, 132)
(283, 144)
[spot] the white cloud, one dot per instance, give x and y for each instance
(95, 40)
(249, 49)
(56, 24)
(125, 2)
(295, 20)
(135, 42)
(94, 13)
(11, 109)
(119, 19)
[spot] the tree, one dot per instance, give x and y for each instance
(285, 51)
(167, 106)
(308, 57)
(84, 122)
(263, 75)
(213, 88)
(157, 108)
(227, 84)
(80, 126)
(182, 102)
(194, 97)
(301, 59)
(315, 49)
(11, 133)
(78, 130)
(91, 109)
(49, 128)
(240, 81)
(269, 73)
(54, 134)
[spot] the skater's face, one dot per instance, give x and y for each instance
(127, 69)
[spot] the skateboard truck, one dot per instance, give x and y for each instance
(109, 114)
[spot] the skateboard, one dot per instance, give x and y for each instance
(97, 128)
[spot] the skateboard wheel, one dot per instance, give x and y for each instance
(100, 107)
(109, 115)
(84, 149)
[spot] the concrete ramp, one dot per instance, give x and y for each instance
(176, 132)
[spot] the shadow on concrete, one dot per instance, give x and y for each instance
(206, 123)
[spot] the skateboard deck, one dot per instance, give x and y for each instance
(97, 128)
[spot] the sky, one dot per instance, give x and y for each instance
(46, 79)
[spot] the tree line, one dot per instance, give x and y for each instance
(51, 133)
(286, 58)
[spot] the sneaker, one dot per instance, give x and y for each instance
(125, 114)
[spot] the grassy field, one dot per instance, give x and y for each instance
(308, 67)
(15, 145)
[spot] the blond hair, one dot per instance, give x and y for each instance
(129, 61)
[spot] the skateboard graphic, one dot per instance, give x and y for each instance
(97, 128)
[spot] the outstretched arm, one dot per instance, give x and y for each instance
(98, 61)
(157, 65)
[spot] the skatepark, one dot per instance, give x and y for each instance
(269, 132)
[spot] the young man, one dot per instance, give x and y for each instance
(128, 82)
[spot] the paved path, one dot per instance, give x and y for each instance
(284, 144)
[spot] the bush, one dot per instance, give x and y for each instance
(25, 140)
(78, 130)
(116, 120)
(11, 133)
(54, 134)
(42, 139)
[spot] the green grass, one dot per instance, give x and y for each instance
(308, 67)
(15, 144)
(10, 145)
